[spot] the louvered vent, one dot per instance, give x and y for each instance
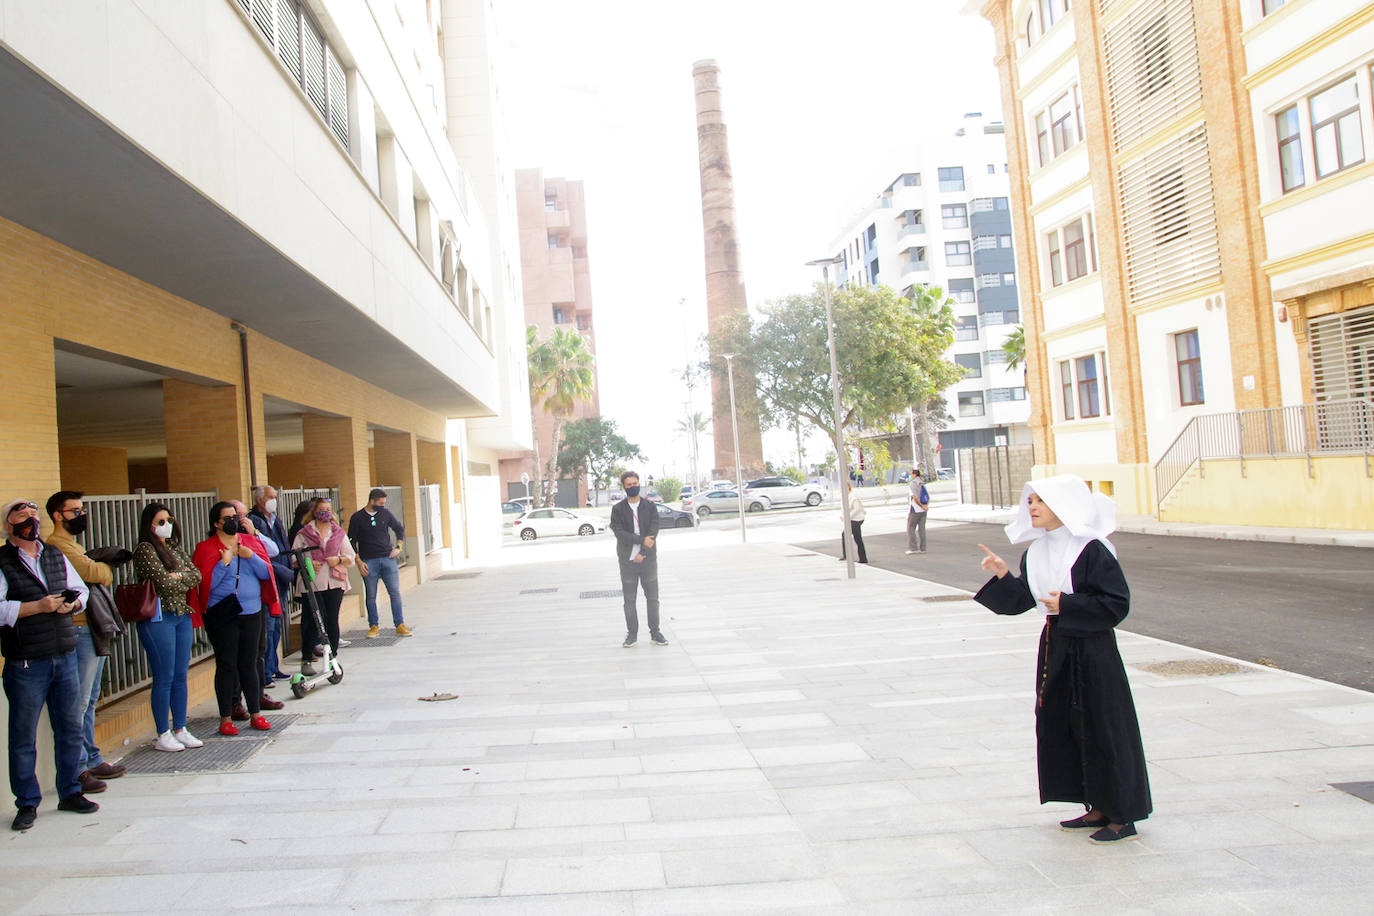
(1168, 221)
(1152, 68)
(1342, 351)
(289, 36)
(312, 54)
(338, 98)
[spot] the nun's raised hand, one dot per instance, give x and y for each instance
(1051, 603)
(993, 563)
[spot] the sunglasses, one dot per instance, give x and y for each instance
(19, 507)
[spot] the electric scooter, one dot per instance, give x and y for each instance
(328, 664)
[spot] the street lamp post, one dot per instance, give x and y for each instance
(734, 429)
(841, 457)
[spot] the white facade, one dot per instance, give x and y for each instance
(946, 222)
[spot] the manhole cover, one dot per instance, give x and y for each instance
(603, 593)
(540, 591)
(1192, 667)
(207, 728)
(947, 598)
(460, 575)
(1363, 790)
(358, 640)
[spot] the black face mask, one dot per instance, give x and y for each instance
(632, 492)
(27, 530)
(77, 526)
(230, 526)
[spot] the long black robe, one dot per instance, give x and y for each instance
(1088, 743)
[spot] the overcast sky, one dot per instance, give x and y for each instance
(823, 103)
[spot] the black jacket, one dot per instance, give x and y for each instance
(38, 635)
(623, 527)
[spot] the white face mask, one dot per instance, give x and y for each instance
(270, 506)
(163, 531)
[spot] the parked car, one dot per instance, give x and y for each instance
(511, 507)
(723, 502)
(550, 522)
(687, 491)
(653, 497)
(782, 491)
(944, 474)
(721, 485)
(669, 517)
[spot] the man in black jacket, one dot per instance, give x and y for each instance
(634, 522)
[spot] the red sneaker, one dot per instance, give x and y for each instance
(228, 729)
(260, 723)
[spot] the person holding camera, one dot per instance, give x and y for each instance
(236, 584)
(166, 639)
(39, 592)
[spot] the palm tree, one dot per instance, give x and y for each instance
(691, 426)
(537, 362)
(561, 376)
(1015, 347)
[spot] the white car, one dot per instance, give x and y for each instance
(785, 491)
(723, 502)
(543, 523)
(721, 485)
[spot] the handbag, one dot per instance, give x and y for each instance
(226, 608)
(137, 603)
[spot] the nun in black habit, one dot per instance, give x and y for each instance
(1088, 743)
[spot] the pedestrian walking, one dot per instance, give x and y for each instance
(918, 501)
(1088, 743)
(332, 555)
(370, 530)
(39, 592)
(857, 514)
(69, 521)
(634, 522)
(161, 559)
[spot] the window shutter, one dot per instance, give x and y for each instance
(312, 64)
(262, 18)
(1152, 68)
(289, 36)
(1342, 353)
(338, 97)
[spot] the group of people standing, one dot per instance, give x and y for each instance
(235, 583)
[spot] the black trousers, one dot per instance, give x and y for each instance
(632, 576)
(857, 529)
(237, 662)
(329, 600)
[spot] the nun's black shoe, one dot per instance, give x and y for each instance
(1082, 823)
(1108, 835)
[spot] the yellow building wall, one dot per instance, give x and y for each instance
(94, 470)
(1277, 492)
(1132, 486)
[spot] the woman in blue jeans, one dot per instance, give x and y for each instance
(166, 639)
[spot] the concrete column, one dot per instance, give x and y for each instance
(207, 443)
(397, 466)
(336, 455)
(724, 275)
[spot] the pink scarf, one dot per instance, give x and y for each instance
(328, 549)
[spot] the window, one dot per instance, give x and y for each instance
(999, 203)
(958, 254)
(1336, 139)
(995, 357)
(991, 319)
(559, 316)
(992, 169)
(971, 363)
(1066, 388)
(1189, 358)
(916, 258)
(1075, 251)
(1047, 11)
(550, 204)
(971, 404)
(1003, 241)
(1008, 279)
(966, 328)
(910, 180)
(954, 216)
(952, 178)
(997, 395)
(1072, 251)
(961, 290)
(1089, 404)
(1083, 386)
(1059, 127)
(984, 242)
(1290, 148)
(1169, 202)
(986, 280)
(871, 237)
(912, 220)
(553, 240)
(1270, 6)
(310, 60)
(1156, 70)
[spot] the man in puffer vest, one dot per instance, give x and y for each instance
(39, 591)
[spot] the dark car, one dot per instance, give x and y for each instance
(673, 518)
(512, 508)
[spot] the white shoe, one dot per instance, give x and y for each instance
(167, 742)
(909, 552)
(187, 739)
(343, 643)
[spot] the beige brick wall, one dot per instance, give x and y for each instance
(95, 470)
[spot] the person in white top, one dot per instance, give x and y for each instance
(918, 501)
(857, 514)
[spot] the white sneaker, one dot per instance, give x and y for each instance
(343, 643)
(167, 742)
(187, 739)
(909, 552)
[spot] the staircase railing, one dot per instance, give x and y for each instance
(1298, 431)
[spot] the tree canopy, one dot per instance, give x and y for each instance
(591, 445)
(561, 375)
(890, 352)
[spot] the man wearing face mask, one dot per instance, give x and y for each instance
(39, 590)
(634, 522)
(270, 529)
(69, 522)
(369, 531)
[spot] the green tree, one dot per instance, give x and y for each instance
(561, 376)
(1015, 347)
(592, 446)
(537, 366)
(890, 352)
(670, 488)
(935, 311)
(794, 473)
(692, 426)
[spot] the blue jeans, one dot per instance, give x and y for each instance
(167, 643)
(28, 686)
(89, 667)
(387, 570)
(270, 666)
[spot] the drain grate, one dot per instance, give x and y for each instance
(1362, 790)
(603, 593)
(829, 579)
(219, 754)
(802, 555)
(1192, 667)
(358, 640)
(947, 598)
(460, 575)
(540, 591)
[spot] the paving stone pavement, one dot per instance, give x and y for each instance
(804, 745)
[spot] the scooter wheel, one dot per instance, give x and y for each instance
(298, 691)
(336, 676)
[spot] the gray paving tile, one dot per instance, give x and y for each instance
(580, 874)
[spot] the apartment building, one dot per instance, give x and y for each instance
(260, 241)
(1145, 180)
(552, 217)
(947, 223)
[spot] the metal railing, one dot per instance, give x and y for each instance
(114, 522)
(1298, 431)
